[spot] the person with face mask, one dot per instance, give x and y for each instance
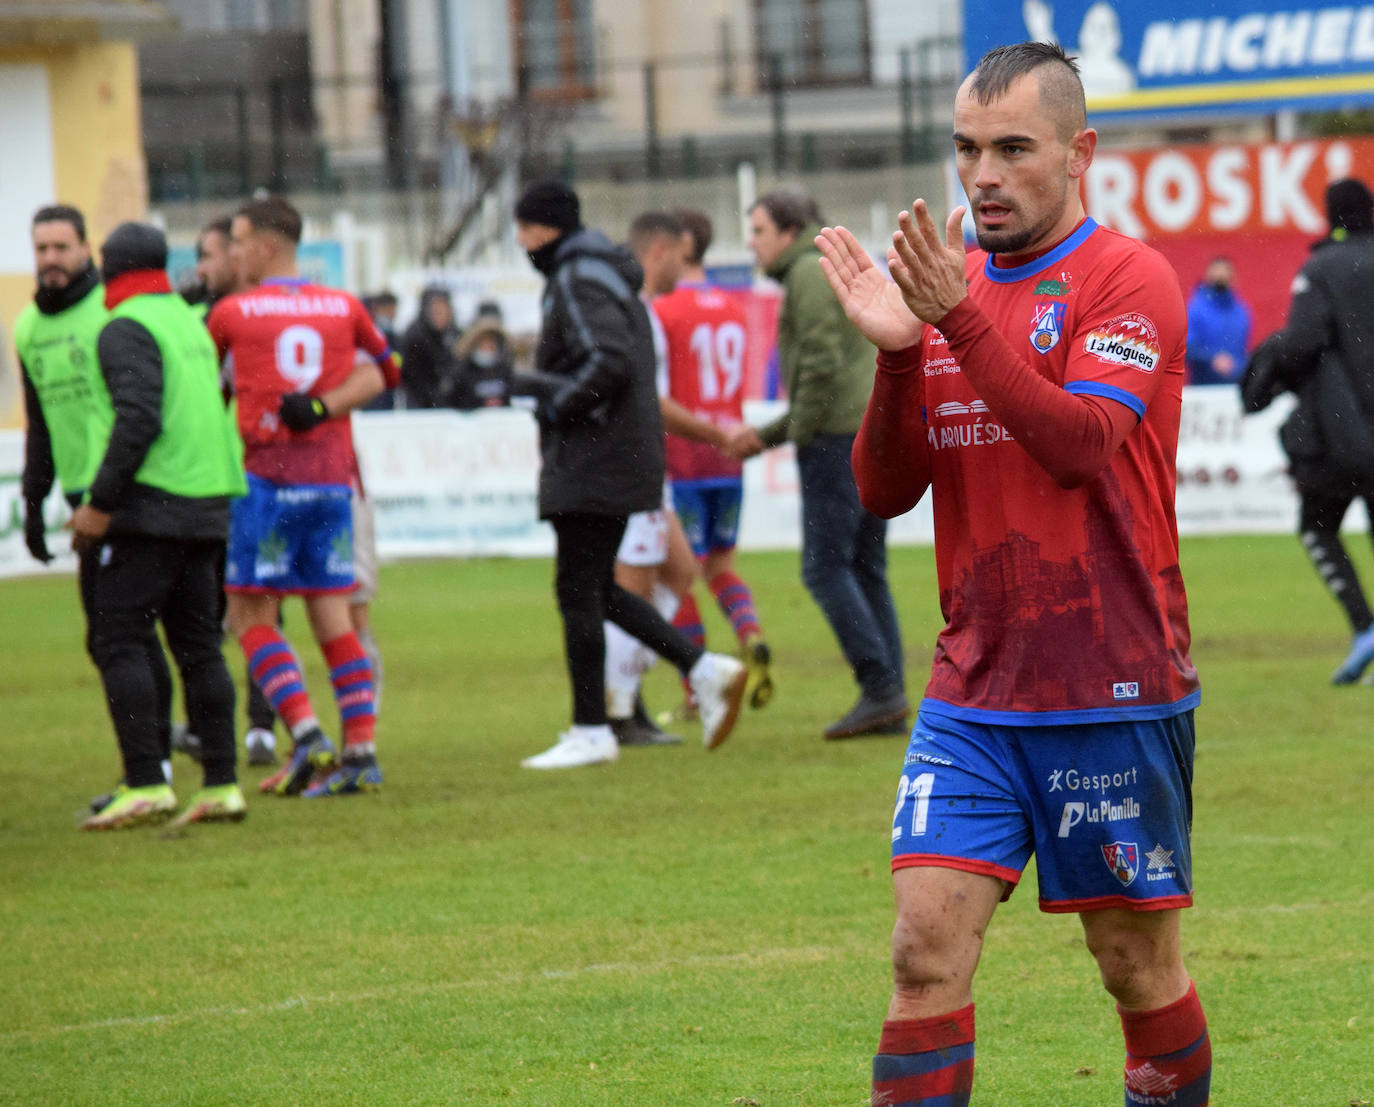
(485, 365)
(1218, 327)
(601, 443)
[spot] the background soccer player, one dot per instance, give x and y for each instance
(1041, 408)
(706, 335)
(293, 347)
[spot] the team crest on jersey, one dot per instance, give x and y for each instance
(1123, 858)
(1047, 327)
(1129, 339)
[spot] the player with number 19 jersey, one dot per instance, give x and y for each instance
(706, 346)
(284, 336)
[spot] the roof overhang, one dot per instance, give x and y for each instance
(72, 22)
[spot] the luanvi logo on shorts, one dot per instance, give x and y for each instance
(1126, 690)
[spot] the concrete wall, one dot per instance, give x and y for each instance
(96, 157)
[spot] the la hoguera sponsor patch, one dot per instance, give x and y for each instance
(1128, 339)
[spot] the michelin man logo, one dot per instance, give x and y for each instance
(1099, 46)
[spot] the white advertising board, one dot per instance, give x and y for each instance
(446, 484)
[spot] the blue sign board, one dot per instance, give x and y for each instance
(1227, 56)
(321, 262)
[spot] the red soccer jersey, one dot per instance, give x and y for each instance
(1063, 605)
(292, 336)
(706, 336)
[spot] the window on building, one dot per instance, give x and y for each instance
(813, 42)
(555, 47)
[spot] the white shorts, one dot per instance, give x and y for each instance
(646, 539)
(364, 551)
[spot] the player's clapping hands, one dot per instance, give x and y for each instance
(929, 277)
(930, 273)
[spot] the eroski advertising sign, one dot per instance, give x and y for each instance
(1225, 56)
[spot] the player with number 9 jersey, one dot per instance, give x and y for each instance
(707, 338)
(289, 335)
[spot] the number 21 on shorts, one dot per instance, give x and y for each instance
(917, 789)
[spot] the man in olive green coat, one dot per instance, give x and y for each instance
(827, 369)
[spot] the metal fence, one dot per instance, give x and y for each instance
(208, 139)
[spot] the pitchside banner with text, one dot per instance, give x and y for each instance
(446, 484)
(1262, 206)
(1239, 56)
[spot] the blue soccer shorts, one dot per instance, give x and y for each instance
(709, 512)
(294, 539)
(1105, 807)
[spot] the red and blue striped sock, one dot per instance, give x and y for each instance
(1168, 1054)
(737, 602)
(351, 675)
(925, 1062)
(277, 673)
(688, 621)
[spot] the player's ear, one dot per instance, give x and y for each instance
(1081, 149)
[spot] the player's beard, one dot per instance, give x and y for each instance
(55, 276)
(1011, 240)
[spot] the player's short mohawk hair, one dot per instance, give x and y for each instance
(1061, 90)
(999, 68)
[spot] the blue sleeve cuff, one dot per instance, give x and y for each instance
(1108, 392)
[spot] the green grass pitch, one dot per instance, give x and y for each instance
(680, 928)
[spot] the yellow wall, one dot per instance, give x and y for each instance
(98, 164)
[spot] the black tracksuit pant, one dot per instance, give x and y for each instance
(588, 596)
(139, 581)
(1320, 515)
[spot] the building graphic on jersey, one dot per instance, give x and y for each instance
(1038, 631)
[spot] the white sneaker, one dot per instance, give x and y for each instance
(579, 745)
(718, 684)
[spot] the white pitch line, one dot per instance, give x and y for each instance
(299, 1002)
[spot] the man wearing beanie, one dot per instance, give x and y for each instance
(1325, 356)
(154, 519)
(601, 440)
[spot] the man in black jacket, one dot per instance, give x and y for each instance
(1325, 355)
(428, 363)
(601, 440)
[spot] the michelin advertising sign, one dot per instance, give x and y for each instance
(1225, 56)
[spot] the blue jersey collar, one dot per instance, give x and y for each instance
(1044, 261)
